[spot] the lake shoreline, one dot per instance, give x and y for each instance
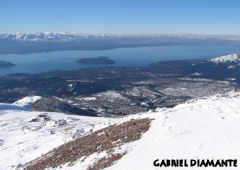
(123, 57)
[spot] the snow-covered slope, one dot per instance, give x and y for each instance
(226, 58)
(27, 102)
(206, 128)
(25, 135)
(203, 129)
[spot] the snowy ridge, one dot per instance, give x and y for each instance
(200, 129)
(27, 134)
(27, 102)
(226, 58)
(206, 128)
(66, 36)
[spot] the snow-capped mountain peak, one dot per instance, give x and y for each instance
(226, 58)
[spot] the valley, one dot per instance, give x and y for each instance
(113, 91)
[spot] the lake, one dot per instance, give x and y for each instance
(135, 56)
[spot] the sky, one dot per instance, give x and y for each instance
(219, 17)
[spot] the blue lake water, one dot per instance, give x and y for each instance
(139, 56)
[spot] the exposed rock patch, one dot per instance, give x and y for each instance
(105, 139)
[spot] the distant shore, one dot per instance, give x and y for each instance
(97, 60)
(6, 64)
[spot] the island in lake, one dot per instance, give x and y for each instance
(98, 60)
(6, 64)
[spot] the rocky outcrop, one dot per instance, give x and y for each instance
(106, 139)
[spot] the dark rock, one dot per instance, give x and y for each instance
(1, 142)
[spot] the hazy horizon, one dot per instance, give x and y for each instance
(125, 33)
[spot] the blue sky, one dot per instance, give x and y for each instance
(125, 16)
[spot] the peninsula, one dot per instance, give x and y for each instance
(6, 64)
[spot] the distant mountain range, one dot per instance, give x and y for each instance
(65, 36)
(50, 41)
